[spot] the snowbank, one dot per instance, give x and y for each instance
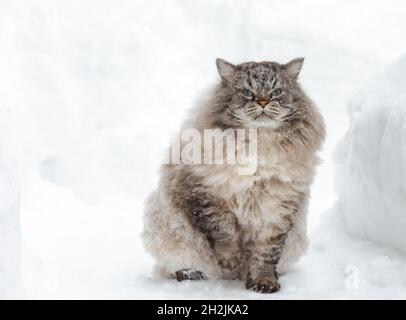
(9, 234)
(371, 161)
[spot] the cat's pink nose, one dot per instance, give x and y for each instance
(263, 102)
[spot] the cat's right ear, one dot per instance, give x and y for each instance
(225, 69)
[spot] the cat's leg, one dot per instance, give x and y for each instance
(220, 226)
(296, 242)
(211, 216)
(265, 252)
(188, 229)
(174, 243)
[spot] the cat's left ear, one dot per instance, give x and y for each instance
(293, 68)
(225, 69)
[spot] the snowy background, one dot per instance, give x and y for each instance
(90, 92)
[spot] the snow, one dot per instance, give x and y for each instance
(9, 234)
(373, 193)
(91, 91)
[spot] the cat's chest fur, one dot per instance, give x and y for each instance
(271, 164)
(256, 198)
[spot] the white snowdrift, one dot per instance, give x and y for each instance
(9, 234)
(371, 161)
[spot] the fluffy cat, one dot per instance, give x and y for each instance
(208, 221)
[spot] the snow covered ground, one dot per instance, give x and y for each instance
(90, 91)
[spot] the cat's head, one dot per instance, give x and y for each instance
(260, 94)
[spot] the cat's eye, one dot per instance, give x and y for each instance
(248, 93)
(276, 92)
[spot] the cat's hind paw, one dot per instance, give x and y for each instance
(188, 274)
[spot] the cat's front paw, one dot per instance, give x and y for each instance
(263, 285)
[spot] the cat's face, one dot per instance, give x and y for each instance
(260, 94)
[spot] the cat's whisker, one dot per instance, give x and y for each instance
(238, 118)
(292, 115)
